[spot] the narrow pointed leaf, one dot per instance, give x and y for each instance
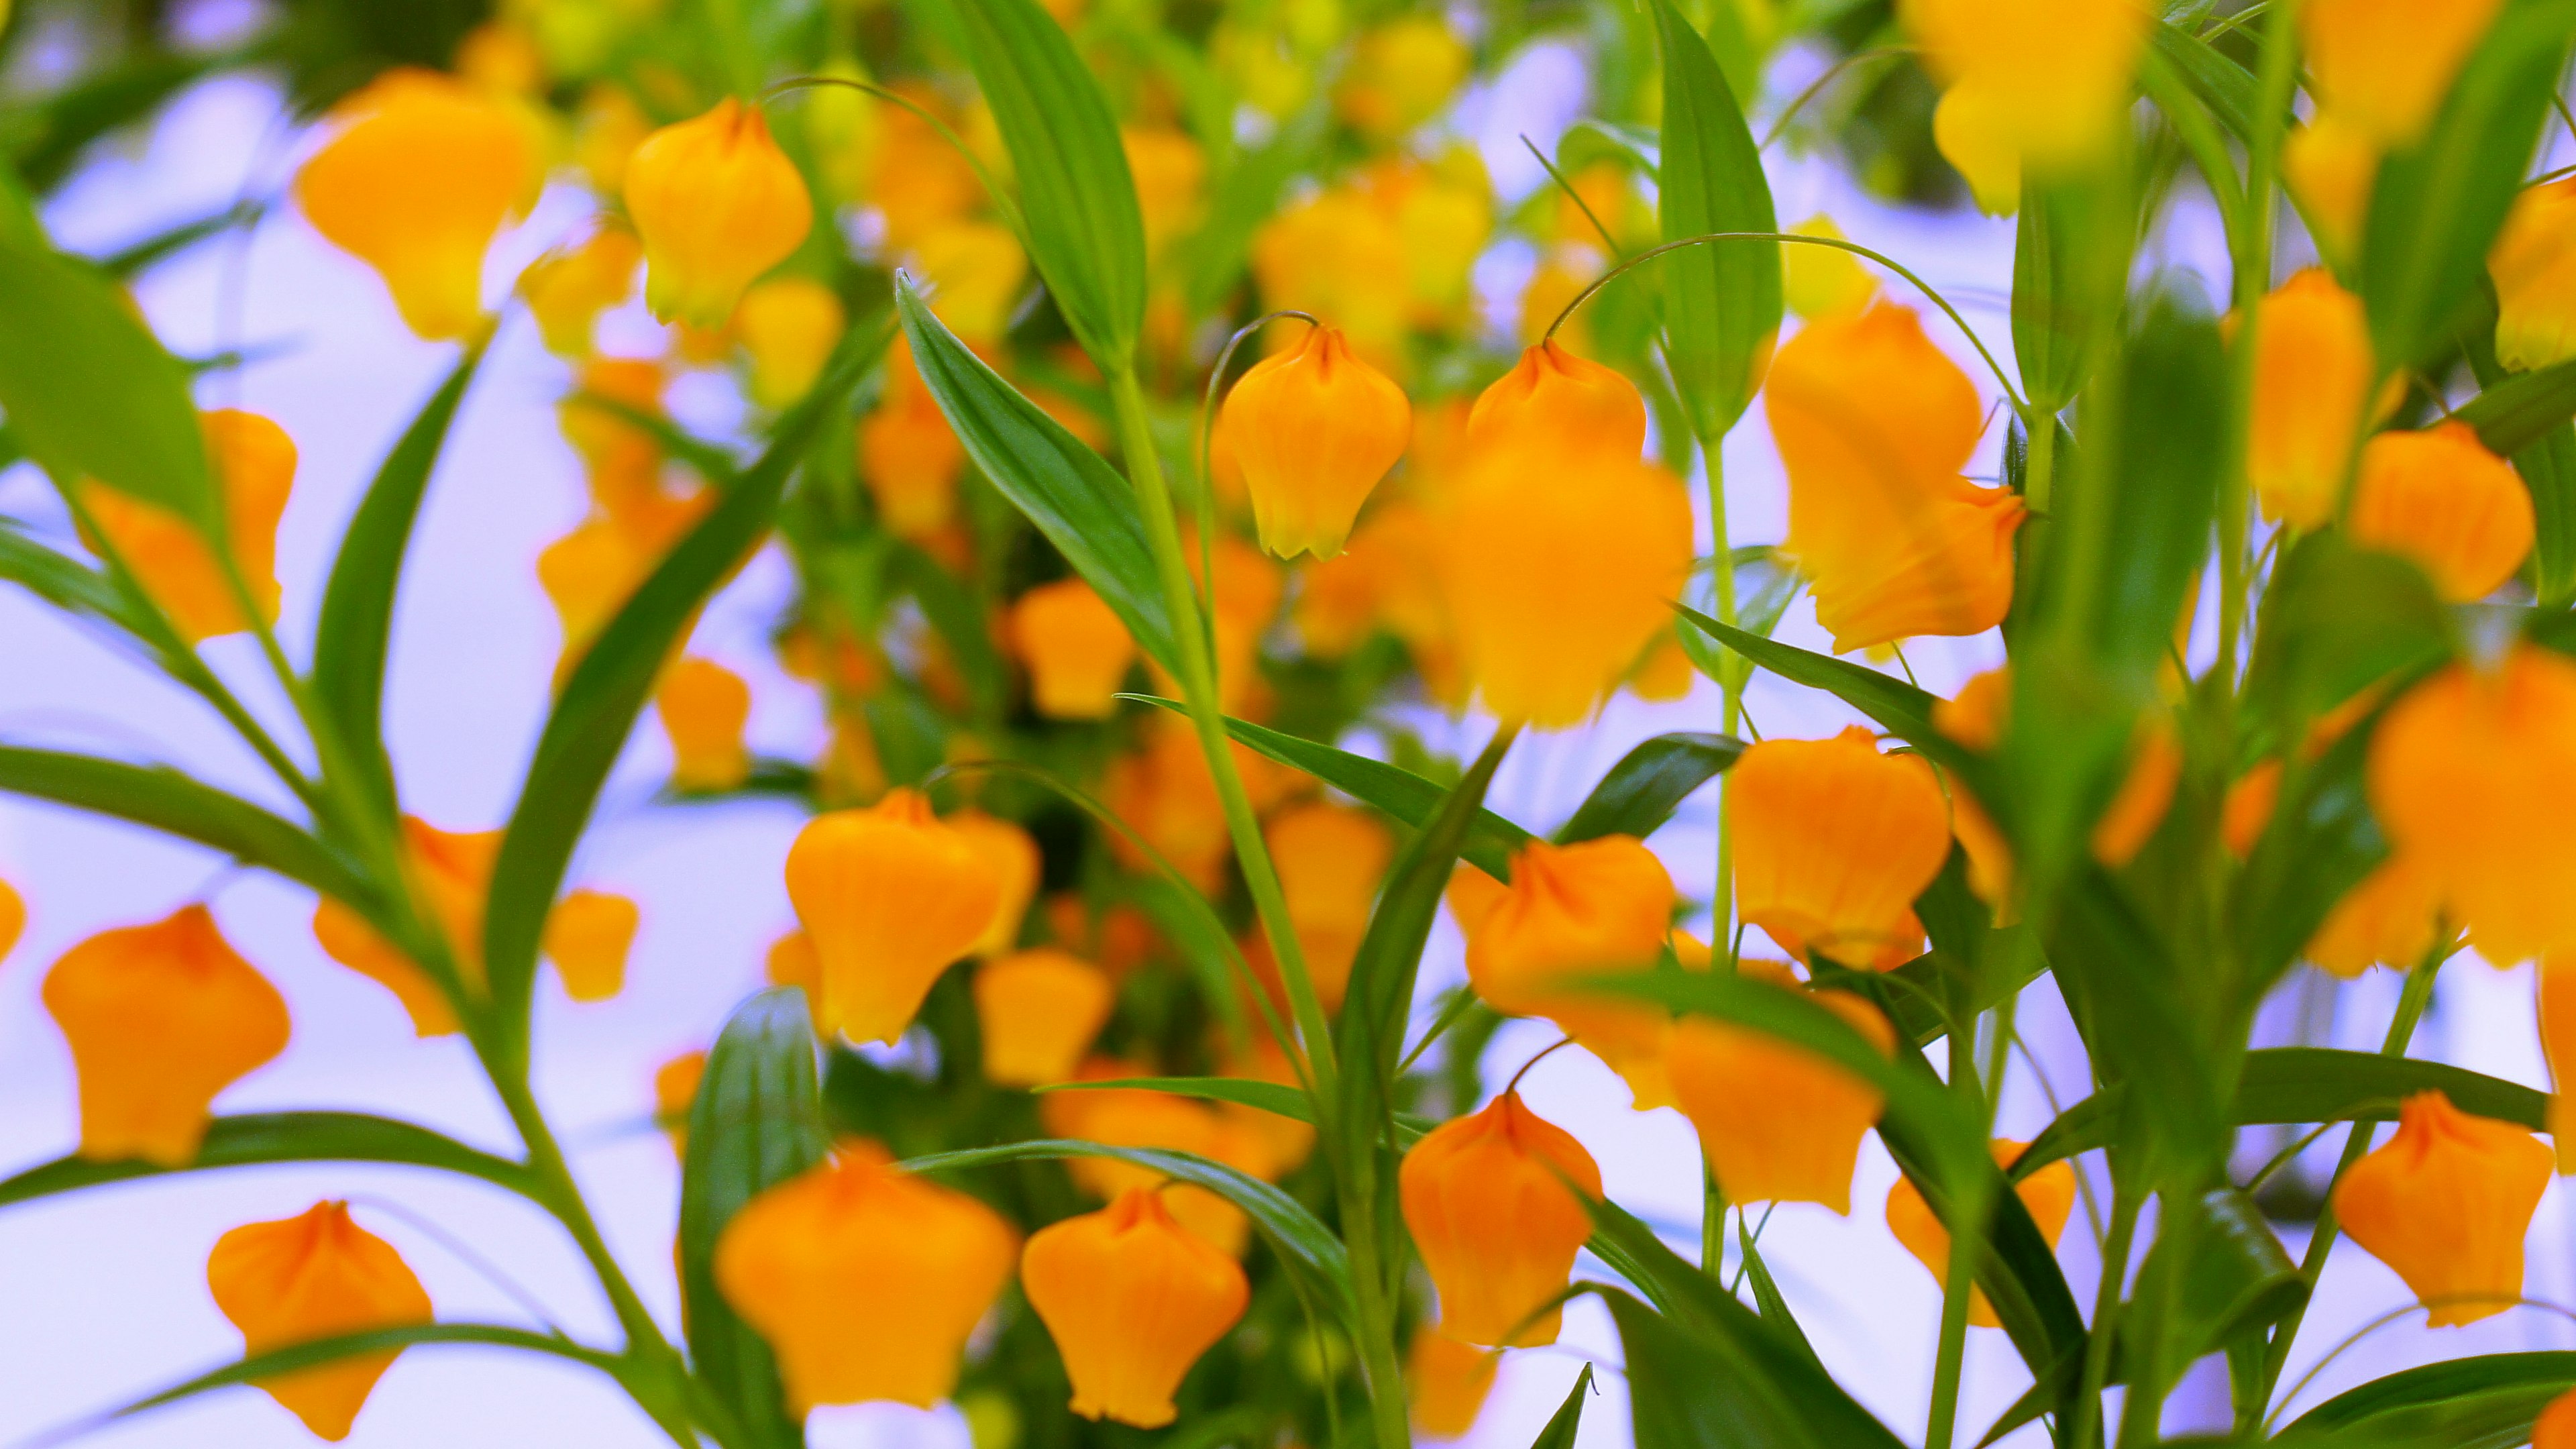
(1562, 1425)
(257, 1139)
(1651, 781)
(1722, 300)
(162, 799)
(2486, 1402)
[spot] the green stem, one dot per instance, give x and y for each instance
(1956, 1290)
(1377, 1313)
(1712, 1227)
(2086, 1430)
(2039, 465)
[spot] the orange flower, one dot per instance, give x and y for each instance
(1331, 859)
(587, 936)
(450, 873)
(791, 961)
(716, 204)
(2385, 65)
(1165, 794)
(2247, 811)
(1776, 1122)
(789, 325)
(2030, 83)
(1076, 648)
(1132, 1299)
(2445, 1203)
(1012, 854)
(2440, 498)
(927, 1261)
(1038, 1011)
(2534, 265)
(2556, 1426)
(1171, 180)
(1976, 715)
(2557, 1015)
(1401, 73)
(13, 918)
(2145, 793)
(2049, 1194)
(1488, 1202)
(675, 1092)
(1314, 429)
(910, 460)
(704, 706)
(2388, 918)
(2312, 374)
(1131, 1117)
(1337, 603)
(1448, 1382)
(1833, 841)
(889, 895)
(1599, 907)
(2330, 166)
(972, 271)
(254, 462)
(1874, 423)
(315, 1276)
(2473, 777)
(160, 1019)
(624, 461)
(567, 291)
(1556, 400)
(422, 173)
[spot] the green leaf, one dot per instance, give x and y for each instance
(1650, 782)
(953, 609)
(1728, 1379)
(2487, 1402)
(2055, 304)
(1766, 1292)
(2128, 995)
(47, 140)
(2335, 620)
(1086, 235)
(160, 798)
(2525, 407)
(2321, 841)
(1765, 585)
(757, 1121)
(257, 1138)
(1568, 1419)
(2228, 89)
(1721, 301)
(1899, 708)
(1275, 1098)
(129, 261)
(1078, 501)
(62, 581)
(1246, 196)
(2234, 1279)
(356, 627)
(2525, 417)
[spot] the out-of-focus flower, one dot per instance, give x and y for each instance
(1132, 1117)
(421, 174)
(1314, 429)
(1874, 424)
(2032, 85)
(13, 918)
(1165, 794)
(703, 707)
(2472, 774)
(623, 460)
(889, 895)
(1077, 649)
(313, 1276)
(2534, 266)
(1600, 906)
(2312, 374)
(1833, 841)
(2556, 1426)
(910, 459)
(974, 270)
(675, 1091)
(2049, 1195)
(1559, 401)
(1400, 74)
(1487, 1199)
(1776, 1122)
(2446, 1203)
(1338, 255)
(1331, 859)
(160, 1018)
(1012, 854)
(254, 461)
(2383, 65)
(790, 961)
(450, 873)
(717, 204)
(917, 180)
(2556, 1010)
(1132, 1299)
(2388, 918)
(1170, 170)
(789, 325)
(843, 129)
(1039, 1010)
(927, 1261)
(587, 936)
(2246, 811)
(1447, 1382)
(1337, 604)
(606, 132)
(2145, 793)
(2440, 498)
(1822, 282)
(567, 291)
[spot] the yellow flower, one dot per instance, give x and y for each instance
(1447, 1382)
(2036, 84)
(1315, 429)
(2049, 1194)
(309, 1277)
(13, 918)
(1776, 1122)
(1132, 1299)
(925, 1260)
(254, 462)
(1873, 424)
(1400, 75)
(422, 173)
(1171, 178)
(917, 180)
(1038, 1011)
(703, 707)
(1165, 794)
(791, 962)
(160, 1019)
(587, 936)
(606, 131)
(2534, 265)
(2312, 375)
(1337, 603)
(1011, 853)
(624, 461)
(1487, 1201)
(2440, 498)
(567, 291)
(1331, 859)
(1556, 400)
(1131, 1117)
(2445, 1203)
(1833, 841)
(2473, 777)
(1601, 906)
(1076, 648)
(890, 895)
(1824, 281)
(1339, 255)
(789, 325)
(2331, 166)
(675, 1091)
(2388, 918)
(716, 204)
(2385, 65)
(908, 455)
(973, 270)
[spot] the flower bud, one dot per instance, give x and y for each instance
(2040, 84)
(254, 463)
(1315, 428)
(2440, 498)
(1076, 648)
(789, 325)
(1038, 1011)
(567, 291)
(1487, 1199)
(1448, 1382)
(1016, 862)
(2385, 68)
(311, 1277)
(716, 204)
(587, 936)
(420, 176)
(2446, 1203)
(889, 895)
(1132, 1299)
(2534, 265)
(160, 1019)
(2048, 1194)
(1556, 400)
(1598, 907)
(925, 1261)
(2312, 374)
(1776, 1122)
(703, 707)
(1833, 841)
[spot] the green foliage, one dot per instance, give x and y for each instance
(256, 1139)
(1721, 303)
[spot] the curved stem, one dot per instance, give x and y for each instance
(1002, 201)
(1817, 86)
(1203, 504)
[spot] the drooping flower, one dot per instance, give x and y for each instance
(1077, 649)
(316, 1275)
(1447, 1382)
(927, 1261)
(2388, 918)
(450, 873)
(1555, 399)
(1834, 841)
(2445, 1203)
(717, 204)
(1331, 859)
(1776, 1122)
(1165, 793)
(2049, 1195)
(254, 461)
(1598, 907)
(703, 707)
(2312, 377)
(2534, 266)
(1132, 1299)
(2036, 85)
(889, 895)
(587, 936)
(1135, 1117)
(160, 1018)
(2440, 498)
(1038, 1011)
(1487, 1199)
(789, 325)
(1314, 428)
(567, 291)
(1012, 854)
(2385, 65)
(2556, 1011)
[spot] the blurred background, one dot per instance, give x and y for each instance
(102, 1294)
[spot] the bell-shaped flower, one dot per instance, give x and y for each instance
(1555, 400)
(254, 461)
(160, 1018)
(587, 936)
(1012, 853)
(1822, 282)
(2445, 1203)
(1132, 1299)
(789, 326)
(2048, 1194)
(315, 1276)
(1833, 841)
(1314, 428)
(2329, 167)
(421, 173)
(2312, 377)
(971, 272)
(2472, 775)
(865, 1279)
(889, 895)
(1164, 792)
(716, 204)
(1495, 1203)
(1331, 860)
(703, 708)
(910, 459)
(1038, 1011)
(2534, 266)
(1134, 1117)
(2041, 85)
(2388, 918)
(1597, 907)
(2384, 68)
(1874, 424)
(2440, 498)
(1776, 1122)
(2556, 1426)
(566, 291)
(1076, 648)
(1447, 1382)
